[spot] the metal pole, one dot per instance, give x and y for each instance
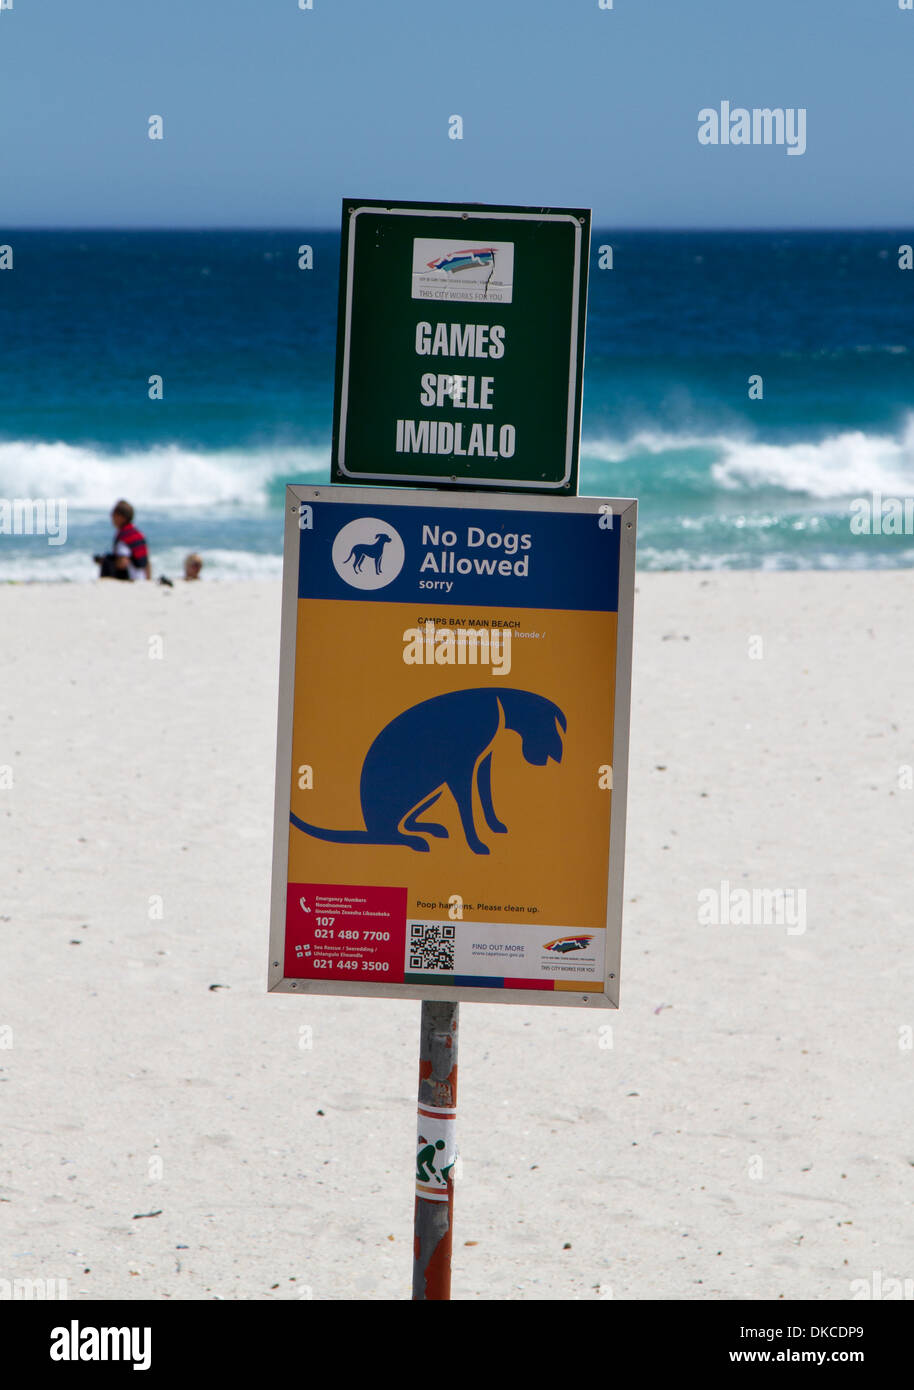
(436, 1150)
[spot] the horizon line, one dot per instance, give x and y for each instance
(299, 227)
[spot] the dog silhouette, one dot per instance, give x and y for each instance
(364, 551)
(444, 743)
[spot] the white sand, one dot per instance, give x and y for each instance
(136, 777)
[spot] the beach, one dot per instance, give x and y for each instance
(740, 1128)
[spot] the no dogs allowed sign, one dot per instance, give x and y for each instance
(453, 745)
(460, 347)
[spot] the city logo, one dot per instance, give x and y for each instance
(463, 260)
(450, 271)
(368, 553)
(563, 944)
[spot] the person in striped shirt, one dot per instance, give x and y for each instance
(131, 556)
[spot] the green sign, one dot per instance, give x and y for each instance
(460, 348)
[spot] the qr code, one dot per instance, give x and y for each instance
(431, 946)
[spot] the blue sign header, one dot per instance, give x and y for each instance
(506, 559)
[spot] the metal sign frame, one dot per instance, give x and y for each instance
(579, 219)
(624, 516)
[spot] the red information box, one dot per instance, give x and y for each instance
(333, 928)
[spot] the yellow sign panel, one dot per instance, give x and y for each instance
(452, 752)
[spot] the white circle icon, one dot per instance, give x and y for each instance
(368, 553)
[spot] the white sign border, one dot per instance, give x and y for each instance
(573, 422)
(624, 515)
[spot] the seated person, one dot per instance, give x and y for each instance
(129, 558)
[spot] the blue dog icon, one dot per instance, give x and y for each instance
(444, 743)
(360, 553)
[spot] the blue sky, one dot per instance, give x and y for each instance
(272, 114)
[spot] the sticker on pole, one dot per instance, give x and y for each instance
(436, 1152)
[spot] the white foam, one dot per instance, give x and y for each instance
(850, 464)
(68, 566)
(609, 450)
(170, 476)
(221, 564)
(844, 465)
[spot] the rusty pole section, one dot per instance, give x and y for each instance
(436, 1151)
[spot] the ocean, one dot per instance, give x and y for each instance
(244, 342)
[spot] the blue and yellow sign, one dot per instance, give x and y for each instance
(453, 745)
